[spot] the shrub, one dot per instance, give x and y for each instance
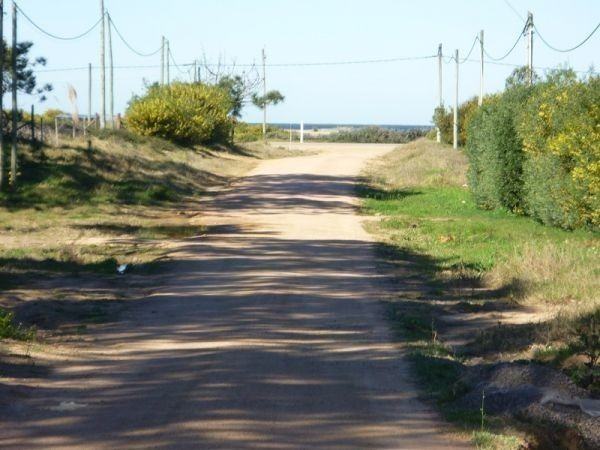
(182, 112)
(495, 151)
(560, 130)
(245, 132)
(444, 119)
(375, 135)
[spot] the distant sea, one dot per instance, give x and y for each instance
(325, 126)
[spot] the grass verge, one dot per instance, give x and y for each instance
(471, 261)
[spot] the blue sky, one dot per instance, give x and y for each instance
(402, 92)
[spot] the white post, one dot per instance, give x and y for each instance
(455, 140)
(530, 46)
(438, 131)
(162, 61)
(111, 74)
(264, 124)
(302, 132)
(102, 70)
(480, 102)
(89, 118)
(168, 56)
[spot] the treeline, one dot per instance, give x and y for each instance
(535, 149)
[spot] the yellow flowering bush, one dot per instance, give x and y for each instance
(182, 112)
(560, 131)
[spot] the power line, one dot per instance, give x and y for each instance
(568, 49)
(511, 49)
(470, 51)
(535, 67)
(112, 23)
(179, 66)
(341, 63)
(172, 58)
(514, 10)
(54, 36)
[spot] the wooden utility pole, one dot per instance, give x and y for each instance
(162, 61)
(1, 95)
(111, 84)
(530, 46)
(168, 63)
(15, 112)
(441, 101)
(480, 102)
(455, 134)
(264, 62)
(102, 70)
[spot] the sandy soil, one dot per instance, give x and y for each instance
(267, 333)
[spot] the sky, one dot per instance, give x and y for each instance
(308, 31)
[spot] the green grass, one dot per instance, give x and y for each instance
(438, 218)
(445, 223)
(430, 226)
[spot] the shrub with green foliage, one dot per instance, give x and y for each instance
(495, 151)
(560, 130)
(444, 119)
(375, 135)
(187, 113)
(536, 149)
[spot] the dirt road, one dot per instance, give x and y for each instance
(268, 333)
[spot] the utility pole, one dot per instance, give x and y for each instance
(1, 96)
(162, 61)
(168, 64)
(102, 70)
(264, 62)
(530, 46)
(13, 70)
(89, 117)
(111, 84)
(441, 101)
(481, 69)
(455, 137)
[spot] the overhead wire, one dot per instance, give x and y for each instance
(179, 66)
(470, 51)
(567, 49)
(129, 46)
(511, 49)
(172, 58)
(55, 36)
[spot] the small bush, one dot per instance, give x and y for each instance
(8, 329)
(182, 112)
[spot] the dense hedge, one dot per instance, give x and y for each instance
(560, 129)
(495, 151)
(182, 112)
(536, 150)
